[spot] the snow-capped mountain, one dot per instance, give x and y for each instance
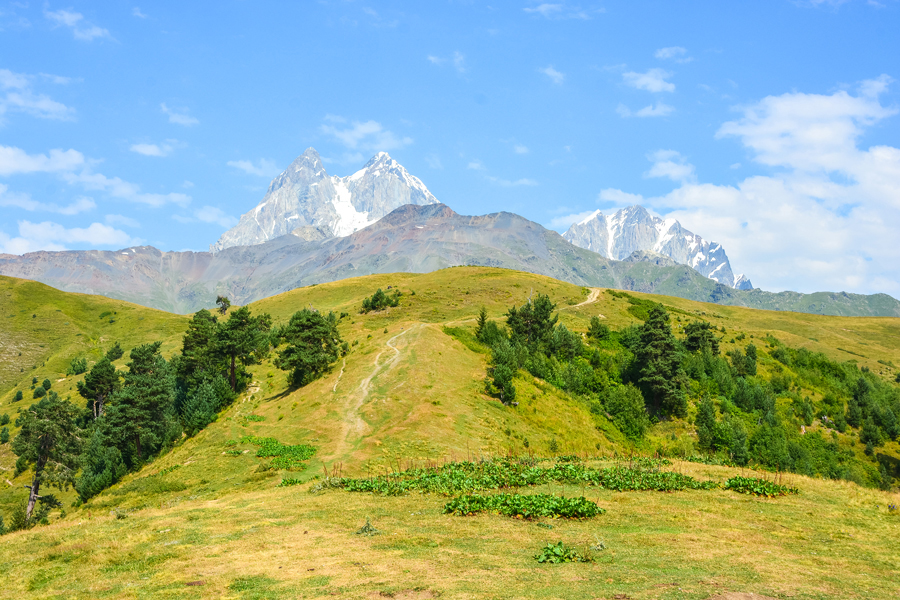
(305, 196)
(634, 229)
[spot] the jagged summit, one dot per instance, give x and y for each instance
(304, 195)
(633, 229)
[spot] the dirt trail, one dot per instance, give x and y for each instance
(353, 423)
(592, 297)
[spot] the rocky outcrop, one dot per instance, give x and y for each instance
(304, 195)
(634, 229)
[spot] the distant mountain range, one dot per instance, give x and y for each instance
(634, 229)
(303, 233)
(306, 200)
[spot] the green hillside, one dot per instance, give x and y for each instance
(207, 517)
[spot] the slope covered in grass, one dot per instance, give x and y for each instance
(411, 393)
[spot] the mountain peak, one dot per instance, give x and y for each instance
(304, 195)
(633, 229)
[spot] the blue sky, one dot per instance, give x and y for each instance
(770, 126)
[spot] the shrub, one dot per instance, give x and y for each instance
(39, 392)
(18, 396)
(4, 435)
(524, 507)
(626, 405)
(283, 456)
(77, 366)
(758, 487)
(560, 553)
(379, 300)
(47, 384)
(4, 419)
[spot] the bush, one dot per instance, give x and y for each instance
(18, 396)
(4, 419)
(39, 392)
(758, 487)
(77, 366)
(379, 300)
(47, 384)
(626, 405)
(4, 435)
(526, 507)
(560, 553)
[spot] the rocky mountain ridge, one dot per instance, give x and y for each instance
(305, 196)
(633, 229)
(414, 239)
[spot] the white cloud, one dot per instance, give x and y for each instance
(212, 214)
(520, 149)
(653, 80)
(458, 60)
(17, 95)
(179, 116)
(674, 53)
(52, 236)
(565, 221)
(123, 190)
(434, 161)
(671, 164)
(825, 218)
(163, 149)
(81, 29)
(122, 220)
(368, 135)
(25, 202)
(475, 165)
(263, 168)
(509, 183)
(137, 13)
(660, 109)
(554, 75)
(550, 10)
(15, 161)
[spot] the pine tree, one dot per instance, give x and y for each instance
(659, 363)
(200, 408)
(115, 353)
(534, 322)
(101, 381)
(700, 335)
(312, 345)
(199, 359)
(706, 424)
(243, 340)
(140, 417)
(223, 303)
(101, 466)
(48, 441)
(482, 321)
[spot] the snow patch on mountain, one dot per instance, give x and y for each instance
(304, 195)
(633, 229)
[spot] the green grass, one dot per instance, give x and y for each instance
(413, 398)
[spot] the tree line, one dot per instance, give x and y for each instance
(131, 416)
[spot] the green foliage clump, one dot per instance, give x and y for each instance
(380, 300)
(626, 406)
(312, 345)
(758, 487)
(4, 435)
(560, 553)
(4, 419)
(524, 506)
(283, 456)
(18, 396)
(77, 367)
(658, 361)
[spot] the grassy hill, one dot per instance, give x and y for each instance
(206, 519)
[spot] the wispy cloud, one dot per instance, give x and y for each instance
(179, 116)
(566, 221)
(671, 164)
(653, 80)
(212, 214)
(122, 220)
(457, 60)
(262, 168)
(52, 236)
(15, 161)
(137, 13)
(25, 202)
(81, 30)
(660, 109)
(434, 161)
(559, 10)
(511, 183)
(363, 135)
(673, 53)
(554, 75)
(475, 165)
(520, 149)
(163, 149)
(17, 95)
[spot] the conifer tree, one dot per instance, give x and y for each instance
(482, 321)
(101, 381)
(140, 417)
(200, 408)
(312, 343)
(659, 362)
(706, 424)
(533, 322)
(199, 360)
(48, 441)
(101, 466)
(243, 340)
